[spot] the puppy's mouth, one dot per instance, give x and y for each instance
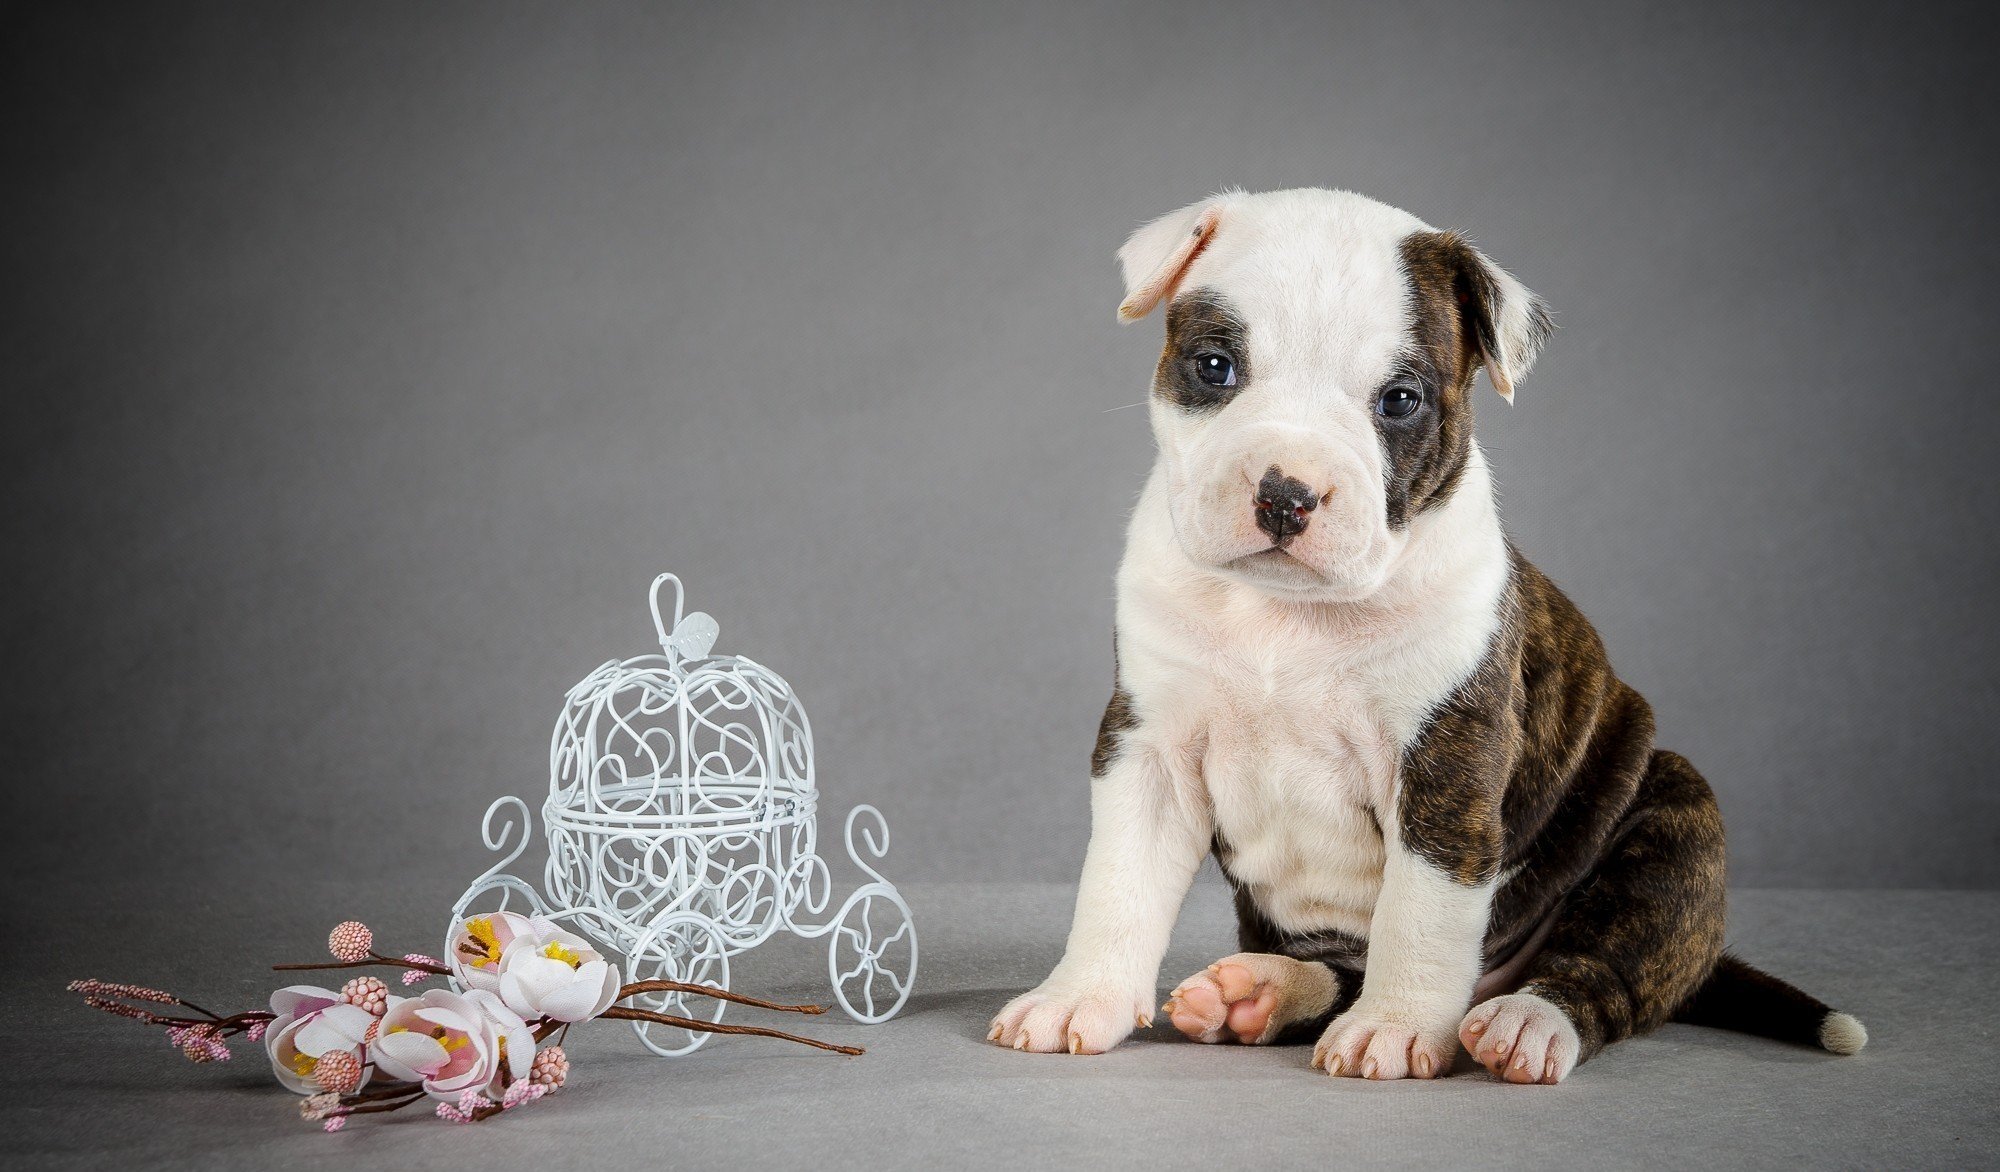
(1271, 556)
(1273, 563)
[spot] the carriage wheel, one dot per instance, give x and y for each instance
(679, 948)
(872, 958)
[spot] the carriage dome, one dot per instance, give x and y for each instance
(684, 737)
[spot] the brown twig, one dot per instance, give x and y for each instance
(638, 987)
(626, 1013)
(374, 958)
(185, 1003)
(370, 1108)
(393, 1090)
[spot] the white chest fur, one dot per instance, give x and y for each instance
(1288, 720)
(1296, 767)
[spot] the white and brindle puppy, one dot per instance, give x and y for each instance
(1443, 816)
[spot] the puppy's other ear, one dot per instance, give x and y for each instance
(1158, 255)
(1507, 322)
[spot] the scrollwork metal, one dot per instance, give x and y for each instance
(681, 827)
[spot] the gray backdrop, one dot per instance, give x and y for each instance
(362, 367)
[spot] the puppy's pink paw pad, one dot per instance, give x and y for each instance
(1226, 1002)
(1237, 999)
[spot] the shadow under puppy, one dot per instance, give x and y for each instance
(1443, 816)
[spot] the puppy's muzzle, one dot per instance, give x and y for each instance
(1284, 504)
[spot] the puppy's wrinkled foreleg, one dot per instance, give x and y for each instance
(1423, 960)
(1147, 837)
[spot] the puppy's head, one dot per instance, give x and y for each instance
(1313, 401)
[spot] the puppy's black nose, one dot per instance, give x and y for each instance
(1282, 504)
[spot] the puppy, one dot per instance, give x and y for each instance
(1443, 816)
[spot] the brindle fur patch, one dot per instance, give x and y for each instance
(1543, 763)
(1637, 941)
(1201, 321)
(1426, 451)
(1454, 306)
(1119, 719)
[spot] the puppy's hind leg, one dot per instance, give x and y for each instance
(1630, 945)
(1257, 998)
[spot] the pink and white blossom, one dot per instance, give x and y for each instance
(454, 1043)
(547, 972)
(310, 1022)
(535, 966)
(477, 946)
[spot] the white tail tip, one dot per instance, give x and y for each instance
(1843, 1033)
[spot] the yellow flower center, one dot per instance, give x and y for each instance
(439, 1034)
(484, 948)
(558, 952)
(302, 1064)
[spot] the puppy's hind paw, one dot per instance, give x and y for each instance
(1521, 1038)
(1249, 997)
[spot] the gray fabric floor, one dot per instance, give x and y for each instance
(83, 1090)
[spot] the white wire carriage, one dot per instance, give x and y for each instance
(682, 830)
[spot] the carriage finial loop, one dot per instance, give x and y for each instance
(691, 636)
(660, 624)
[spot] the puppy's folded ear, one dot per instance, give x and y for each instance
(1507, 322)
(1158, 255)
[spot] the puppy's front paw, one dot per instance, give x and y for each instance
(1367, 1042)
(1521, 1038)
(1076, 1017)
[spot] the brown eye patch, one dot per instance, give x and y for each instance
(1202, 328)
(1425, 454)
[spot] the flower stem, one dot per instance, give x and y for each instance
(368, 1108)
(627, 1013)
(375, 958)
(638, 987)
(385, 1091)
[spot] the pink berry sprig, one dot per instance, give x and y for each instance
(351, 941)
(338, 1071)
(200, 1039)
(367, 993)
(352, 944)
(550, 1069)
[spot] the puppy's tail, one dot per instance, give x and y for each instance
(1751, 1001)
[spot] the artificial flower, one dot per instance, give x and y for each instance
(312, 1021)
(477, 946)
(547, 972)
(468, 1053)
(453, 1043)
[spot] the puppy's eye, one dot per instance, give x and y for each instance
(1215, 369)
(1399, 402)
